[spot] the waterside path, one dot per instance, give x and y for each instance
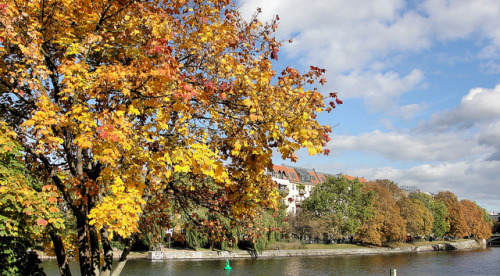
(363, 250)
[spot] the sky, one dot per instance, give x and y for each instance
(420, 82)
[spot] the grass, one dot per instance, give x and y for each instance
(421, 243)
(285, 245)
(298, 245)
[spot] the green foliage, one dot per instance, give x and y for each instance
(419, 220)
(438, 211)
(455, 216)
(487, 217)
(18, 228)
(340, 202)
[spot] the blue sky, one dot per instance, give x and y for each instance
(420, 81)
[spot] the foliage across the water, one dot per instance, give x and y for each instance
(386, 214)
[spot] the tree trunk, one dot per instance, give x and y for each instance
(94, 248)
(83, 245)
(108, 254)
(123, 258)
(62, 260)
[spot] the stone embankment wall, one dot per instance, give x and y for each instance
(184, 254)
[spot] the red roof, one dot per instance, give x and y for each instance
(361, 179)
(291, 173)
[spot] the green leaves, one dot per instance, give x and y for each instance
(342, 201)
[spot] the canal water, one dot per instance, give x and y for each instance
(476, 262)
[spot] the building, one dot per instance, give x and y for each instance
(298, 183)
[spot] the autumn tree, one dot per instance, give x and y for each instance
(385, 223)
(341, 202)
(438, 211)
(478, 226)
(396, 192)
(419, 220)
(455, 217)
(112, 101)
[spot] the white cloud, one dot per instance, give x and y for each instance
(344, 35)
(398, 146)
(480, 104)
(490, 68)
(379, 90)
(474, 181)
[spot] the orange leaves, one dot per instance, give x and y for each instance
(41, 222)
(52, 199)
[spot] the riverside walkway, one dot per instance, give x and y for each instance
(186, 254)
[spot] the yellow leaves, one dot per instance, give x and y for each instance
(120, 211)
(236, 148)
(182, 168)
(133, 111)
(247, 102)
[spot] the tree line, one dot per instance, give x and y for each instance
(378, 212)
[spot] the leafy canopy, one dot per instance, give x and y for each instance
(342, 202)
(123, 96)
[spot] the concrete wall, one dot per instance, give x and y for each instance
(184, 254)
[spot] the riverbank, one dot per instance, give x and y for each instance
(360, 250)
(181, 254)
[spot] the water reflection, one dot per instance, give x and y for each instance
(480, 262)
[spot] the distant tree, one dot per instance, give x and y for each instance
(305, 226)
(385, 223)
(419, 220)
(455, 216)
(396, 192)
(496, 227)
(438, 211)
(478, 226)
(341, 202)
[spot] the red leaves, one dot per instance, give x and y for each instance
(332, 104)
(317, 70)
(326, 152)
(2, 8)
(274, 53)
(326, 137)
(106, 133)
(186, 92)
(204, 20)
